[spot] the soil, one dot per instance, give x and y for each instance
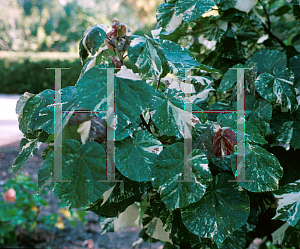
(79, 236)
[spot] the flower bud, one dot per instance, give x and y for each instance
(10, 195)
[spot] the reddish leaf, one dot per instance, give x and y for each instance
(223, 143)
(80, 117)
(114, 32)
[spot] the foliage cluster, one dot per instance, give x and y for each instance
(150, 123)
(23, 213)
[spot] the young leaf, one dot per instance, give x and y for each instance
(222, 210)
(169, 168)
(224, 142)
(148, 56)
(92, 39)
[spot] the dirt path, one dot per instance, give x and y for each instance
(70, 237)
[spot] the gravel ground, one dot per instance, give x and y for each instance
(79, 236)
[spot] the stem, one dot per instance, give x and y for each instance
(145, 123)
(158, 83)
(195, 31)
(268, 28)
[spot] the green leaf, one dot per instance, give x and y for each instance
(148, 56)
(295, 67)
(44, 175)
(33, 106)
(224, 163)
(169, 168)
(169, 115)
(125, 219)
(135, 155)
(267, 60)
(84, 166)
(229, 78)
(130, 97)
(126, 132)
(286, 128)
(259, 113)
(282, 10)
(91, 89)
(21, 103)
(295, 2)
(205, 140)
(236, 240)
(291, 237)
(164, 14)
(123, 195)
(173, 35)
(225, 4)
(46, 118)
(296, 12)
(251, 132)
(101, 58)
(29, 146)
(157, 219)
(222, 210)
(277, 88)
(92, 39)
(173, 51)
(261, 167)
(38, 112)
(288, 204)
(193, 9)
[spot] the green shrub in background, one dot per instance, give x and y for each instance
(23, 211)
(25, 75)
(26, 72)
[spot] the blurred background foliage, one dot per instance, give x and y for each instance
(58, 25)
(31, 28)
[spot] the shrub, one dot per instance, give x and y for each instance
(28, 75)
(187, 198)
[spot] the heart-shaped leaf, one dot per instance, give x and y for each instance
(84, 166)
(169, 169)
(224, 142)
(222, 210)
